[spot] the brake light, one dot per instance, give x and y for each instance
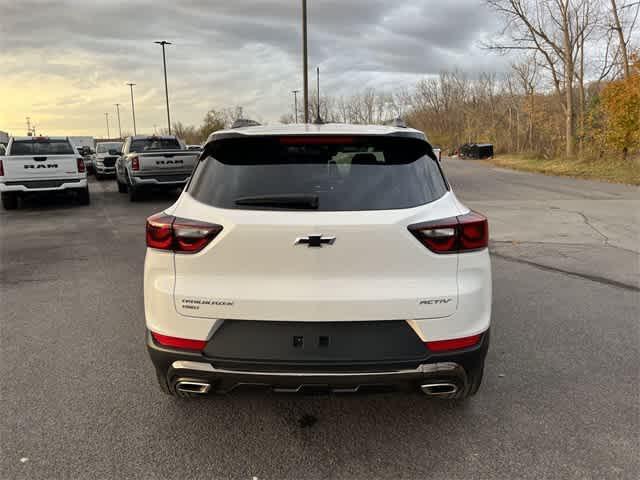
(166, 232)
(465, 233)
(135, 163)
(176, 342)
(315, 140)
(454, 344)
(1, 169)
(81, 167)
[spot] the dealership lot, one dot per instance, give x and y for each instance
(560, 398)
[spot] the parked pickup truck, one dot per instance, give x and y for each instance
(104, 160)
(153, 162)
(41, 164)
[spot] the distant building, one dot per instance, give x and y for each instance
(4, 137)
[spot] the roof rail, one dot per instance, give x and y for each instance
(244, 122)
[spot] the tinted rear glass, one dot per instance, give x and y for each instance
(353, 173)
(106, 147)
(148, 144)
(42, 147)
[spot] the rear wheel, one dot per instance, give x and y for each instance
(10, 200)
(474, 377)
(83, 196)
(134, 193)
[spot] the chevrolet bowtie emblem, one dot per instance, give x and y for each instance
(315, 241)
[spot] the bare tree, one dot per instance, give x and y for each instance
(623, 36)
(527, 73)
(554, 28)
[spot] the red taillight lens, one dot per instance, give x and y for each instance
(454, 344)
(464, 233)
(190, 236)
(1, 169)
(474, 231)
(135, 163)
(165, 232)
(160, 232)
(182, 343)
(81, 167)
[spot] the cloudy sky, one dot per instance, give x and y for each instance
(65, 63)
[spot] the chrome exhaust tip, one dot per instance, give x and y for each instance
(440, 389)
(190, 386)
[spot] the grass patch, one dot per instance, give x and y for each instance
(613, 170)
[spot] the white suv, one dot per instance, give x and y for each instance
(305, 257)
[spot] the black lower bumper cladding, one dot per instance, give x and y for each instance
(227, 365)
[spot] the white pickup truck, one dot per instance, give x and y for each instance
(41, 164)
(153, 162)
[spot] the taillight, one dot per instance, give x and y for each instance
(176, 342)
(465, 233)
(453, 344)
(1, 169)
(135, 163)
(81, 167)
(166, 232)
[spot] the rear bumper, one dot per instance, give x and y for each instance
(224, 376)
(99, 168)
(169, 180)
(42, 185)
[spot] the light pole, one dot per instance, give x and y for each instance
(133, 108)
(106, 115)
(166, 89)
(28, 126)
(318, 117)
(295, 103)
(305, 65)
(119, 126)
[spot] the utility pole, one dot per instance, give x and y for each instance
(133, 108)
(295, 104)
(166, 88)
(305, 65)
(119, 126)
(106, 115)
(28, 126)
(318, 117)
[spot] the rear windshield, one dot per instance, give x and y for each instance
(148, 144)
(325, 174)
(106, 147)
(42, 147)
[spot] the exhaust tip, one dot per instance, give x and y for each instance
(189, 386)
(441, 389)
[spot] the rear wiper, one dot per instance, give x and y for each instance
(302, 201)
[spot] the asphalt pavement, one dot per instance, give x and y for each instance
(560, 397)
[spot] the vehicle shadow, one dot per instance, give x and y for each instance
(49, 201)
(280, 432)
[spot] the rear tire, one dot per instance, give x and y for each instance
(134, 193)
(475, 380)
(83, 196)
(10, 200)
(122, 187)
(163, 383)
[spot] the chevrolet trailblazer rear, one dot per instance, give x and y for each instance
(329, 257)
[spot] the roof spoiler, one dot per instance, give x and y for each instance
(396, 122)
(244, 122)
